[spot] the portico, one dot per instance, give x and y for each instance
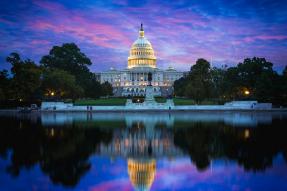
(133, 80)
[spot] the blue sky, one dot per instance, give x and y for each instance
(176, 174)
(221, 31)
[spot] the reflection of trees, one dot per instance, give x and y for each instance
(253, 148)
(197, 140)
(62, 152)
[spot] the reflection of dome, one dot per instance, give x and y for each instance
(141, 53)
(141, 173)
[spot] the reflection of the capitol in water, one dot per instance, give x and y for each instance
(141, 145)
(147, 150)
(147, 137)
(141, 173)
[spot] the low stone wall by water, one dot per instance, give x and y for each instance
(169, 105)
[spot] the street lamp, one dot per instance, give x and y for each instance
(246, 92)
(52, 93)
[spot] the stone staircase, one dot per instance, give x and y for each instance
(117, 91)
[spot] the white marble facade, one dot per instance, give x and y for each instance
(133, 80)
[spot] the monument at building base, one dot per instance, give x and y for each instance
(149, 98)
(149, 104)
(149, 101)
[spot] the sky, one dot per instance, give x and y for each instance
(221, 31)
(176, 174)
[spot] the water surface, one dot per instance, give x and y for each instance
(144, 151)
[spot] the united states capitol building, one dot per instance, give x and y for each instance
(133, 80)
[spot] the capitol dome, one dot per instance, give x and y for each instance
(141, 173)
(141, 53)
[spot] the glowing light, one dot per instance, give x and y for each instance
(52, 93)
(52, 132)
(246, 92)
(246, 133)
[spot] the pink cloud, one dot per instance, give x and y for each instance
(179, 36)
(40, 42)
(51, 6)
(265, 37)
(79, 26)
(184, 175)
(116, 184)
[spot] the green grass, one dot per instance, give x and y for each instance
(122, 101)
(177, 101)
(209, 102)
(101, 101)
(186, 101)
(183, 101)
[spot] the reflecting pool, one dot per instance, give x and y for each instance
(144, 151)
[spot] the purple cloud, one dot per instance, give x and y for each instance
(180, 32)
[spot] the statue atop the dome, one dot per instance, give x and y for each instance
(141, 31)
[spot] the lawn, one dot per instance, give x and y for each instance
(183, 101)
(101, 101)
(122, 101)
(177, 101)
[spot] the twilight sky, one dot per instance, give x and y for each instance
(221, 31)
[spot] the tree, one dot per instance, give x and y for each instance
(26, 77)
(199, 85)
(258, 76)
(217, 76)
(282, 90)
(93, 87)
(231, 84)
(179, 86)
(60, 84)
(107, 89)
(69, 57)
(251, 69)
(4, 85)
(254, 79)
(285, 72)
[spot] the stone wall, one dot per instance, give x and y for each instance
(152, 105)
